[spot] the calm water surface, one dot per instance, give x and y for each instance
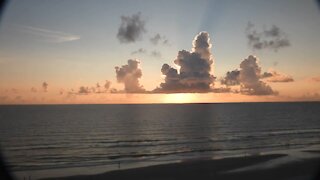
(58, 136)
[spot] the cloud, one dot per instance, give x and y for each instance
(130, 74)
(232, 78)
(84, 90)
(107, 85)
(157, 38)
(3, 99)
(195, 67)
(310, 96)
(49, 35)
(61, 91)
(18, 98)
(33, 89)
(113, 90)
(14, 90)
(156, 54)
(131, 28)
(45, 86)
(274, 76)
(318, 3)
(315, 79)
(98, 88)
(273, 38)
(139, 51)
(249, 78)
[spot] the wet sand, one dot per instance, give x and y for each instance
(249, 167)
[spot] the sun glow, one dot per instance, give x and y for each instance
(179, 98)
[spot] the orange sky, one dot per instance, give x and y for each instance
(304, 90)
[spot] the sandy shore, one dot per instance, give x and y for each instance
(262, 167)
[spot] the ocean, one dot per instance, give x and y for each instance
(44, 137)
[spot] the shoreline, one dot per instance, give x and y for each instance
(247, 167)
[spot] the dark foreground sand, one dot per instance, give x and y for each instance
(251, 167)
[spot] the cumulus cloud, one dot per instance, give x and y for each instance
(139, 51)
(131, 28)
(107, 85)
(157, 38)
(84, 90)
(274, 76)
(45, 86)
(232, 78)
(249, 78)
(195, 67)
(273, 38)
(130, 74)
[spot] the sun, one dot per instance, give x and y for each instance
(179, 98)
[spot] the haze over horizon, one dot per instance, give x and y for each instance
(74, 52)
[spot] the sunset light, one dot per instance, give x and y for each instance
(159, 89)
(180, 98)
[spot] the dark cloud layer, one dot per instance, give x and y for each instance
(131, 28)
(273, 38)
(130, 74)
(195, 68)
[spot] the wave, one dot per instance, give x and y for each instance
(136, 143)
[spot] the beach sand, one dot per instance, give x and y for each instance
(257, 167)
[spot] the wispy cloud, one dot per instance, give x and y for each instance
(314, 79)
(139, 51)
(49, 35)
(156, 39)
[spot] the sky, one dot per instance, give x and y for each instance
(171, 51)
